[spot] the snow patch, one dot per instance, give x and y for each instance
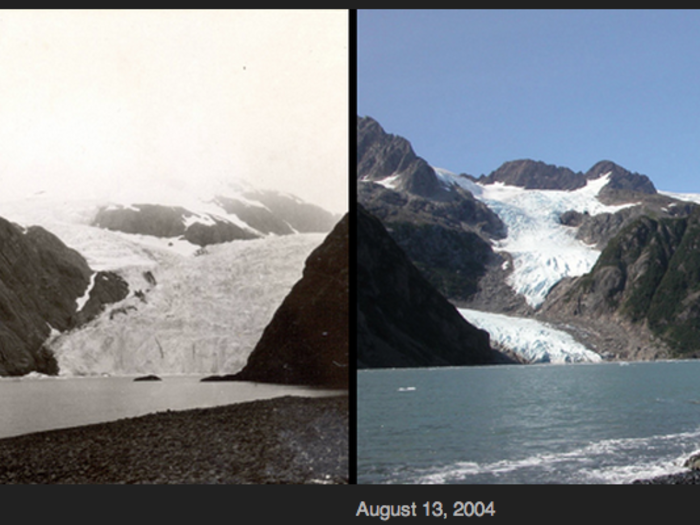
(80, 302)
(54, 333)
(390, 182)
(449, 179)
(535, 341)
(197, 218)
(685, 197)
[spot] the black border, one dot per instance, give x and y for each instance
(352, 210)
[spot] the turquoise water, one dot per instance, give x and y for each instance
(588, 423)
(34, 404)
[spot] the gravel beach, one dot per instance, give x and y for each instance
(284, 440)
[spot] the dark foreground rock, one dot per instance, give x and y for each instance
(214, 378)
(306, 342)
(149, 377)
(284, 440)
(403, 321)
(691, 477)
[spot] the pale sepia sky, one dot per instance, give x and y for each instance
(94, 100)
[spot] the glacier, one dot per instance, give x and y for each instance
(533, 340)
(204, 314)
(542, 249)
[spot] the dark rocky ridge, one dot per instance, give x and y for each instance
(421, 209)
(303, 217)
(623, 186)
(599, 229)
(277, 213)
(535, 175)
(380, 155)
(402, 320)
(40, 280)
(168, 221)
(306, 342)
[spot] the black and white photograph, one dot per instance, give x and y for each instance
(174, 247)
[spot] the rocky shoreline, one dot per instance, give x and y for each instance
(691, 477)
(280, 441)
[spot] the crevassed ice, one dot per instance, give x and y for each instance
(534, 340)
(543, 250)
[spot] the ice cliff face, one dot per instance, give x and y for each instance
(532, 340)
(204, 315)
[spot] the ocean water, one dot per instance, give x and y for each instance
(32, 404)
(601, 423)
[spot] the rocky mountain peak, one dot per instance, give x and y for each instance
(535, 175)
(623, 183)
(381, 155)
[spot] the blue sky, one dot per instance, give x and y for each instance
(473, 89)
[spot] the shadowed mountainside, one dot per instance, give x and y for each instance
(306, 342)
(41, 280)
(402, 320)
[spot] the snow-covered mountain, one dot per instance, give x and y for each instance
(197, 302)
(601, 254)
(201, 215)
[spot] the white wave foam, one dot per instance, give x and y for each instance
(610, 461)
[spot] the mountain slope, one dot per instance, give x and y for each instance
(419, 208)
(206, 220)
(402, 320)
(44, 286)
(171, 221)
(647, 280)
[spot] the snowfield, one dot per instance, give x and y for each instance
(533, 340)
